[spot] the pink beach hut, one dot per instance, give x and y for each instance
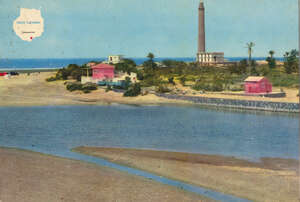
(103, 72)
(257, 84)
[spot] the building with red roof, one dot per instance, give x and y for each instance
(257, 84)
(103, 72)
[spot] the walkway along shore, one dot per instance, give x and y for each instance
(239, 104)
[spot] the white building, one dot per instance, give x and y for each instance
(114, 59)
(210, 58)
(122, 77)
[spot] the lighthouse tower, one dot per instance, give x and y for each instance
(203, 57)
(201, 28)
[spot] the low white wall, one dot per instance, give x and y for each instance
(87, 79)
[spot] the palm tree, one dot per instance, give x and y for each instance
(150, 56)
(294, 53)
(286, 55)
(250, 50)
(271, 52)
(271, 60)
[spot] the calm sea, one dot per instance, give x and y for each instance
(59, 63)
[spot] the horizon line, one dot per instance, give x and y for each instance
(133, 57)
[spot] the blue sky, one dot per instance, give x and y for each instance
(168, 28)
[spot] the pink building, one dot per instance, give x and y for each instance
(103, 72)
(257, 84)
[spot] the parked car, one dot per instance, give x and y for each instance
(14, 73)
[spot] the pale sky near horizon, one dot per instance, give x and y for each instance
(168, 28)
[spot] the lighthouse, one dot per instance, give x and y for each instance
(203, 57)
(201, 28)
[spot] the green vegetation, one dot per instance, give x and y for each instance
(86, 88)
(291, 61)
(133, 90)
(74, 86)
(250, 51)
(72, 71)
(271, 60)
(150, 64)
(216, 85)
(127, 66)
(171, 80)
(162, 89)
(108, 88)
(167, 77)
(210, 78)
(278, 77)
(51, 79)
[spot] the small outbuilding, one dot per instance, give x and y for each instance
(257, 84)
(103, 72)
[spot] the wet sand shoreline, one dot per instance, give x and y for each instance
(272, 179)
(34, 177)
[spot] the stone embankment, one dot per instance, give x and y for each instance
(240, 104)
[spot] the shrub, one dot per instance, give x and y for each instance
(217, 86)
(201, 86)
(62, 74)
(236, 88)
(74, 86)
(162, 89)
(127, 65)
(89, 86)
(86, 91)
(253, 71)
(264, 70)
(108, 88)
(76, 74)
(182, 80)
(140, 76)
(238, 68)
(291, 61)
(126, 83)
(171, 80)
(133, 90)
(51, 79)
(271, 62)
(72, 71)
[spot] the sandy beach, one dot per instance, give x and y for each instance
(33, 90)
(268, 180)
(33, 177)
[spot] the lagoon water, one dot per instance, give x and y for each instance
(56, 130)
(249, 135)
